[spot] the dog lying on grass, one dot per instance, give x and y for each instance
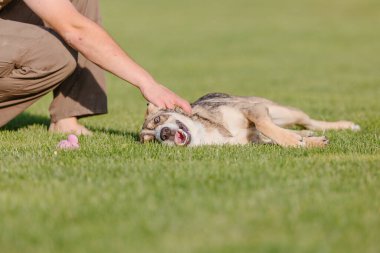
(219, 119)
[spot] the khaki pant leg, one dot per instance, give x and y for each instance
(32, 63)
(84, 93)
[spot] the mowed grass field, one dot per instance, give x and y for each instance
(116, 195)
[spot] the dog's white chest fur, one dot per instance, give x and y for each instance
(235, 123)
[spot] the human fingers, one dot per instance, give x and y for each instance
(186, 107)
(174, 100)
(169, 104)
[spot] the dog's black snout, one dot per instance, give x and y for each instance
(165, 133)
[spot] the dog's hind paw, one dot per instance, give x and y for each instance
(349, 125)
(355, 128)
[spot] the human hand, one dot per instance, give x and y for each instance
(164, 98)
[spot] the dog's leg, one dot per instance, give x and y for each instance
(304, 133)
(318, 125)
(287, 116)
(311, 139)
(259, 115)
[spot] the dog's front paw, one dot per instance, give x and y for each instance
(316, 142)
(290, 139)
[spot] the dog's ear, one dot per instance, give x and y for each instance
(144, 138)
(151, 109)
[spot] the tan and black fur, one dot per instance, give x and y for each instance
(224, 119)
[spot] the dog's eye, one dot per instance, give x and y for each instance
(180, 125)
(157, 120)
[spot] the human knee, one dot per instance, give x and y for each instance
(56, 56)
(69, 65)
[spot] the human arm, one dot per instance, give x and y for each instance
(95, 44)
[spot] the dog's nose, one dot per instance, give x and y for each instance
(165, 133)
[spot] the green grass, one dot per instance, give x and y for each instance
(116, 195)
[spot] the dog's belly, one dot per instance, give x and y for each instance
(215, 137)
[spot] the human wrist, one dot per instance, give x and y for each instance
(145, 83)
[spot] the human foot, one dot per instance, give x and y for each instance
(69, 125)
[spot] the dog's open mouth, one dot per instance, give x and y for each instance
(182, 138)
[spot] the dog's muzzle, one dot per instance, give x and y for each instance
(180, 137)
(166, 133)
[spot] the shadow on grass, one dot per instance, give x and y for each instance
(127, 134)
(26, 119)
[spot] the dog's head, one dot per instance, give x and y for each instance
(171, 127)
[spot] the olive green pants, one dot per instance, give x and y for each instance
(34, 61)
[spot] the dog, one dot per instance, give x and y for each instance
(219, 119)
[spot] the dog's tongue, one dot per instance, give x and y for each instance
(180, 137)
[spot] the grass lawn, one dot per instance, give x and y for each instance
(116, 195)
